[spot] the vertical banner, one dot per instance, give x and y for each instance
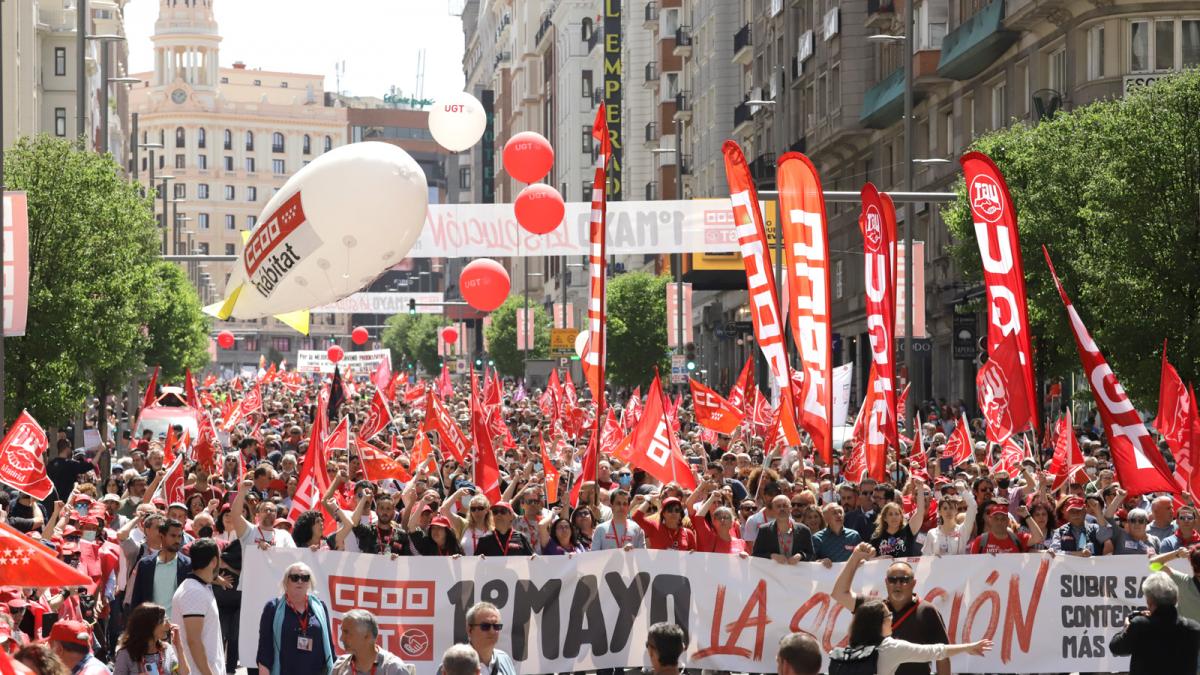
(673, 314)
(564, 315)
(486, 323)
(16, 263)
(525, 329)
(487, 147)
(613, 94)
(806, 252)
(995, 222)
(918, 258)
(878, 224)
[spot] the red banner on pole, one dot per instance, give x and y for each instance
(21, 453)
(878, 225)
(712, 410)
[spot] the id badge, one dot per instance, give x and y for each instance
(304, 644)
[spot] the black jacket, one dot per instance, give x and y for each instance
(492, 545)
(143, 582)
(1160, 643)
(766, 543)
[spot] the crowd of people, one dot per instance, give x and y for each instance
(165, 595)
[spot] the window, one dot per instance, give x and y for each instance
(464, 178)
(258, 83)
(202, 191)
(162, 137)
(203, 220)
(60, 122)
(587, 83)
(277, 167)
(838, 287)
(585, 30)
(180, 161)
(202, 162)
(968, 119)
(1152, 48)
(180, 190)
(586, 138)
(180, 137)
(250, 164)
(228, 163)
(307, 145)
(1190, 39)
(835, 94)
(999, 106)
(201, 138)
(60, 61)
(224, 80)
(251, 194)
(1023, 79)
(230, 193)
(251, 221)
(1164, 44)
(202, 248)
(948, 132)
(228, 139)
(230, 222)
(276, 142)
(1056, 65)
(328, 143)
(281, 344)
(162, 161)
(229, 250)
(250, 141)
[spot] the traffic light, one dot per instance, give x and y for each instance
(478, 363)
(690, 355)
(412, 306)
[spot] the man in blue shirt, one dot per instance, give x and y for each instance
(835, 543)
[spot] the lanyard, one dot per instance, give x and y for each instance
(507, 541)
(675, 538)
(159, 663)
(620, 539)
(262, 536)
(896, 622)
(302, 616)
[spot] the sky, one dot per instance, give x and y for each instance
(379, 40)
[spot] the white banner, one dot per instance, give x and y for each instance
(315, 361)
(1044, 613)
(384, 303)
(841, 393)
(634, 228)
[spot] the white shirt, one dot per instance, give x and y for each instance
(194, 598)
(750, 527)
(894, 653)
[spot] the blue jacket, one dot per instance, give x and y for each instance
(143, 581)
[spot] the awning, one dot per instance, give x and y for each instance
(976, 43)
(883, 104)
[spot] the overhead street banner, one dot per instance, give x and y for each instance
(384, 303)
(316, 361)
(634, 228)
(591, 611)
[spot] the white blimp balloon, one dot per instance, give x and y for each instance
(334, 227)
(457, 121)
(581, 341)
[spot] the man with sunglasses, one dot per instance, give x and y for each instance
(1185, 534)
(783, 540)
(483, 632)
(503, 540)
(913, 620)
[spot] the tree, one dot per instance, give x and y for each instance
(502, 336)
(637, 328)
(1113, 190)
(92, 244)
(178, 328)
(414, 337)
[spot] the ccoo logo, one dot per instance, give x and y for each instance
(986, 201)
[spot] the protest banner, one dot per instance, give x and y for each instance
(317, 361)
(1044, 613)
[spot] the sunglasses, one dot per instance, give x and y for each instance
(500, 512)
(299, 578)
(797, 505)
(475, 509)
(485, 627)
(899, 580)
(1187, 517)
(1138, 521)
(533, 501)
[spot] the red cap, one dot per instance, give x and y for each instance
(993, 509)
(73, 632)
(442, 521)
(670, 501)
(503, 505)
(284, 524)
(1074, 503)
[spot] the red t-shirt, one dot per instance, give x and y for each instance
(1002, 544)
(659, 537)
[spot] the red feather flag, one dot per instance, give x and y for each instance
(594, 354)
(878, 225)
(655, 448)
(313, 481)
(712, 410)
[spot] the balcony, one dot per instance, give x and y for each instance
(683, 41)
(801, 145)
(880, 14)
(503, 58)
(762, 170)
(652, 134)
(651, 15)
(742, 115)
(597, 95)
(539, 41)
(683, 106)
(883, 104)
(743, 50)
(976, 43)
(651, 72)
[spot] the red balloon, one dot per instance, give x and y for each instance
(539, 208)
(335, 354)
(484, 284)
(449, 335)
(528, 156)
(225, 339)
(359, 336)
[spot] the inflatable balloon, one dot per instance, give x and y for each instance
(528, 156)
(539, 208)
(457, 121)
(334, 227)
(225, 339)
(359, 336)
(335, 354)
(449, 335)
(484, 284)
(581, 341)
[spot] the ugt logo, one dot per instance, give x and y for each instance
(874, 228)
(986, 201)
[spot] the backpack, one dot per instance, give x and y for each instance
(862, 660)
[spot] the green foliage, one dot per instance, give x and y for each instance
(178, 327)
(95, 282)
(637, 328)
(502, 336)
(1113, 190)
(413, 336)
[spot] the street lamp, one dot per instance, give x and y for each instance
(104, 41)
(165, 180)
(677, 258)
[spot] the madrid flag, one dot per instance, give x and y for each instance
(713, 411)
(21, 453)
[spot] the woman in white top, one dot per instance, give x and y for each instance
(953, 534)
(479, 523)
(872, 627)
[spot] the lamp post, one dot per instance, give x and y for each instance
(165, 180)
(677, 258)
(104, 41)
(175, 224)
(147, 146)
(81, 26)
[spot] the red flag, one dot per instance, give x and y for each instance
(377, 419)
(339, 438)
(210, 380)
(1172, 421)
(1011, 454)
(655, 449)
(878, 225)
(389, 391)
(570, 396)
(450, 437)
(445, 386)
(760, 278)
(1068, 458)
(422, 452)
(149, 398)
(169, 446)
(741, 389)
(269, 375)
(236, 386)
(207, 443)
(550, 471)
(918, 460)
(854, 467)
(377, 466)
(873, 437)
(1001, 397)
(713, 411)
(21, 454)
(595, 353)
(382, 375)
(253, 401)
(1139, 464)
(806, 249)
(313, 481)
(611, 436)
(171, 488)
(28, 564)
(995, 221)
(633, 409)
(1193, 482)
(590, 465)
(487, 471)
(189, 389)
(491, 389)
(761, 416)
(901, 402)
(959, 447)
